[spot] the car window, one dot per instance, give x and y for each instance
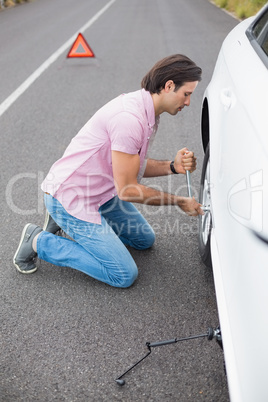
(265, 44)
(257, 34)
(260, 31)
(260, 25)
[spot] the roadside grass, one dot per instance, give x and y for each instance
(10, 3)
(241, 8)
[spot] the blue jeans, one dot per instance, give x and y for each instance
(98, 250)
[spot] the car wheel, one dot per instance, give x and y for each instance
(205, 221)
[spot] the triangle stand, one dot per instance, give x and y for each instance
(80, 48)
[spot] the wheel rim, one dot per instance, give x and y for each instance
(206, 220)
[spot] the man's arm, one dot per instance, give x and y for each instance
(155, 168)
(183, 161)
(125, 172)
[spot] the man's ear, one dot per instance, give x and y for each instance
(169, 86)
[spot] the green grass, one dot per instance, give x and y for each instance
(11, 3)
(241, 8)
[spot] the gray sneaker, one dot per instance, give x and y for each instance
(24, 258)
(50, 225)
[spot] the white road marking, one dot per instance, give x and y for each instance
(36, 74)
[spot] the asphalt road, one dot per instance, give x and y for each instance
(65, 336)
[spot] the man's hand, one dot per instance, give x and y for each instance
(185, 160)
(191, 207)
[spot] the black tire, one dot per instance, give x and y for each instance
(205, 221)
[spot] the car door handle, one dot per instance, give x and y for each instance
(226, 97)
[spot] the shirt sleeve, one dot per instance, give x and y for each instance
(126, 133)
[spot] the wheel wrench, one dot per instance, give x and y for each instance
(205, 208)
(188, 181)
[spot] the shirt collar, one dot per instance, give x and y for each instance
(149, 107)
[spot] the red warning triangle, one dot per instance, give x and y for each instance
(80, 48)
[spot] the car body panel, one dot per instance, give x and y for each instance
(237, 99)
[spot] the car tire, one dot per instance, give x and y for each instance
(205, 221)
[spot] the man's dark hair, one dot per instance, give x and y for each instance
(178, 68)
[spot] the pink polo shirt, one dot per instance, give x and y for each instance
(82, 179)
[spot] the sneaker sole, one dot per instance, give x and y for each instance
(30, 271)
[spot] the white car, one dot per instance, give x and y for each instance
(233, 233)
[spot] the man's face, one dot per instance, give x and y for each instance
(175, 101)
